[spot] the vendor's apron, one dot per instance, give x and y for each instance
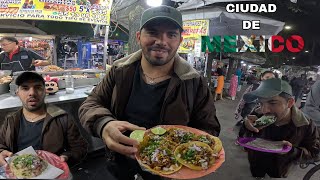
(14, 66)
(24, 64)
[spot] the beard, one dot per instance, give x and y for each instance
(158, 61)
(36, 107)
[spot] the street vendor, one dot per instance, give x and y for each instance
(16, 58)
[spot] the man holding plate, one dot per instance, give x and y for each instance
(40, 125)
(150, 87)
(291, 127)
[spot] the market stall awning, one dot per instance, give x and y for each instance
(249, 57)
(66, 28)
(16, 26)
(224, 23)
(193, 4)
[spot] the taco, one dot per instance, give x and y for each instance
(264, 121)
(156, 155)
(214, 142)
(179, 136)
(27, 166)
(195, 155)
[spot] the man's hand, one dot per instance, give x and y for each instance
(3, 155)
(64, 158)
(116, 141)
(249, 121)
(286, 143)
(40, 63)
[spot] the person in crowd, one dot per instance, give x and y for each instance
(18, 58)
(297, 86)
(305, 92)
(149, 87)
(233, 87)
(292, 80)
(219, 88)
(285, 78)
(239, 75)
(292, 127)
(44, 127)
(248, 104)
(252, 79)
(312, 106)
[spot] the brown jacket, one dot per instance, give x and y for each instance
(74, 146)
(186, 89)
(303, 135)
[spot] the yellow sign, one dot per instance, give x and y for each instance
(82, 11)
(193, 30)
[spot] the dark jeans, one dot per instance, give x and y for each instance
(263, 163)
(260, 170)
(124, 168)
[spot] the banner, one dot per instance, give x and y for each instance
(193, 30)
(82, 11)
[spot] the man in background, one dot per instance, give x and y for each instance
(16, 58)
(312, 106)
(292, 127)
(297, 86)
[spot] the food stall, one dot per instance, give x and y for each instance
(191, 44)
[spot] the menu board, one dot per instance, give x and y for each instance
(193, 30)
(83, 11)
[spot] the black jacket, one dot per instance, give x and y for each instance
(21, 61)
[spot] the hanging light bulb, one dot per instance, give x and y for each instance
(154, 3)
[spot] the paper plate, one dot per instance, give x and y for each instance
(51, 159)
(184, 172)
(243, 142)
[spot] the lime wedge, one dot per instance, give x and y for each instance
(158, 130)
(137, 135)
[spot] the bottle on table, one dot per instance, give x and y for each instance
(69, 83)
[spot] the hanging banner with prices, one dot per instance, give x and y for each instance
(193, 30)
(82, 11)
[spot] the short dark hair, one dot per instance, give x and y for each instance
(220, 72)
(27, 76)
(11, 39)
(286, 96)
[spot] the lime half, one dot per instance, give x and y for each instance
(158, 130)
(137, 135)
